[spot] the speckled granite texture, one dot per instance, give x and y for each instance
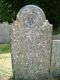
(31, 41)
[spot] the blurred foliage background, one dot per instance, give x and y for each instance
(10, 8)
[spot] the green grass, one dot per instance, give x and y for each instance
(5, 48)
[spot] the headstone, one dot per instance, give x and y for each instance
(4, 33)
(31, 39)
(55, 61)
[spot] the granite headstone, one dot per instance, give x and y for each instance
(31, 42)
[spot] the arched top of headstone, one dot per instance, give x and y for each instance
(31, 15)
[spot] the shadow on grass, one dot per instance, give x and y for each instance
(56, 78)
(53, 78)
(39, 78)
(11, 78)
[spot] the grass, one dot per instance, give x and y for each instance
(5, 48)
(5, 66)
(5, 62)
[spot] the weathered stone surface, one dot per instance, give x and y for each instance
(31, 38)
(4, 32)
(55, 62)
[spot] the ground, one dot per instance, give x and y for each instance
(5, 63)
(5, 66)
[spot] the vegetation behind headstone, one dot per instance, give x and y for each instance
(10, 8)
